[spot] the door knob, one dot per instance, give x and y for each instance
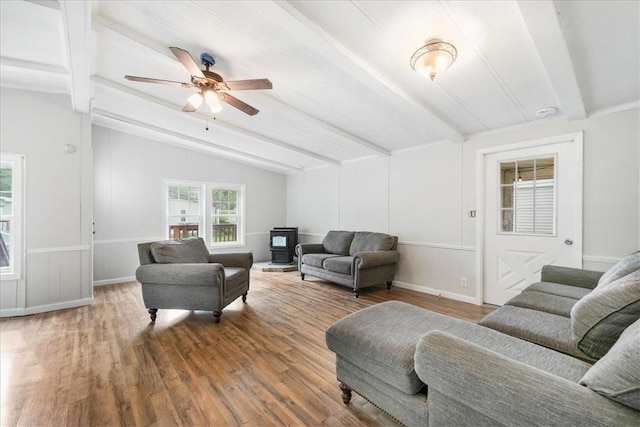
(568, 242)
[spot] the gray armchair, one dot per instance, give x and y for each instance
(182, 274)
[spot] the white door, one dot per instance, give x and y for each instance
(532, 214)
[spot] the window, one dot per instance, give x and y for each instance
(527, 193)
(11, 199)
(212, 211)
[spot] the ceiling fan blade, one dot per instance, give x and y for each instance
(187, 60)
(188, 108)
(163, 82)
(249, 84)
(242, 106)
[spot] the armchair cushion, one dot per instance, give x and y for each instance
(598, 319)
(185, 251)
(617, 374)
(370, 241)
(337, 242)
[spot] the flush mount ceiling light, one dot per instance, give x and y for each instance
(433, 58)
(546, 112)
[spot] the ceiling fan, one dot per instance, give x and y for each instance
(212, 87)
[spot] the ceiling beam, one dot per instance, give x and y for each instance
(219, 123)
(122, 123)
(76, 29)
(542, 22)
(349, 61)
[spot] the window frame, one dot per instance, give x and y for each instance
(205, 217)
(18, 165)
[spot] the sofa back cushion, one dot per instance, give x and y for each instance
(337, 242)
(626, 265)
(598, 319)
(365, 241)
(185, 251)
(617, 374)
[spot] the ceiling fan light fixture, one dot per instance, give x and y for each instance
(195, 100)
(433, 58)
(212, 101)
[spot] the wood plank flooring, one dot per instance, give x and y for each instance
(264, 364)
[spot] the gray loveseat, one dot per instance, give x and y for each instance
(355, 259)
(564, 352)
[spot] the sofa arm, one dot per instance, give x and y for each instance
(507, 391)
(375, 258)
(570, 276)
(309, 248)
(233, 259)
(181, 274)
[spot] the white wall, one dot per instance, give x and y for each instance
(57, 269)
(431, 189)
(128, 199)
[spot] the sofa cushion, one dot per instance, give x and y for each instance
(316, 260)
(598, 319)
(369, 241)
(626, 265)
(545, 329)
(568, 291)
(185, 251)
(617, 374)
(339, 264)
(337, 242)
(542, 301)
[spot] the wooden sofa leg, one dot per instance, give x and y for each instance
(216, 316)
(244, 297)
(356, 292)
(346, 393)
(389, 285)
(302, 275)
(152, 313)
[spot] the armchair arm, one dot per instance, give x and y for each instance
(181, 274)
(570, 276)
(309, 248)
(508, 391)
(375, 258)
(233, 259)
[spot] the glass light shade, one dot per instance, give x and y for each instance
(195, 100)
(433, 58)
(212, 101)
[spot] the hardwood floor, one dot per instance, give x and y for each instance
(265, 363)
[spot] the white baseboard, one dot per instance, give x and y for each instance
(114, 281)
(12, 312)
(437, 292)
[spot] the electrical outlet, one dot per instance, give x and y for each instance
(463, 282)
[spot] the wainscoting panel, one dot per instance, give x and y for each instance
(437, 269)
(57, 276)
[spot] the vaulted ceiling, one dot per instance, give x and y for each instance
(342, 85)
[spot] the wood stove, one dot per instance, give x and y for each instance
(283, 243)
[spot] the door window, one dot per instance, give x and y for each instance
(528, 196)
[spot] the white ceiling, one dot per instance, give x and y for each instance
(342, 85)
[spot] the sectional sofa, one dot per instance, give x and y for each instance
(566, 352)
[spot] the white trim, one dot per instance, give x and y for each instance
(114, 281)
(256, 233)
(615, 109)
(436, 292)
(438, 246)
(602, 259)
(59, 249)
(576, 137)
(312, 234)
(44, 308)
(133, 240)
